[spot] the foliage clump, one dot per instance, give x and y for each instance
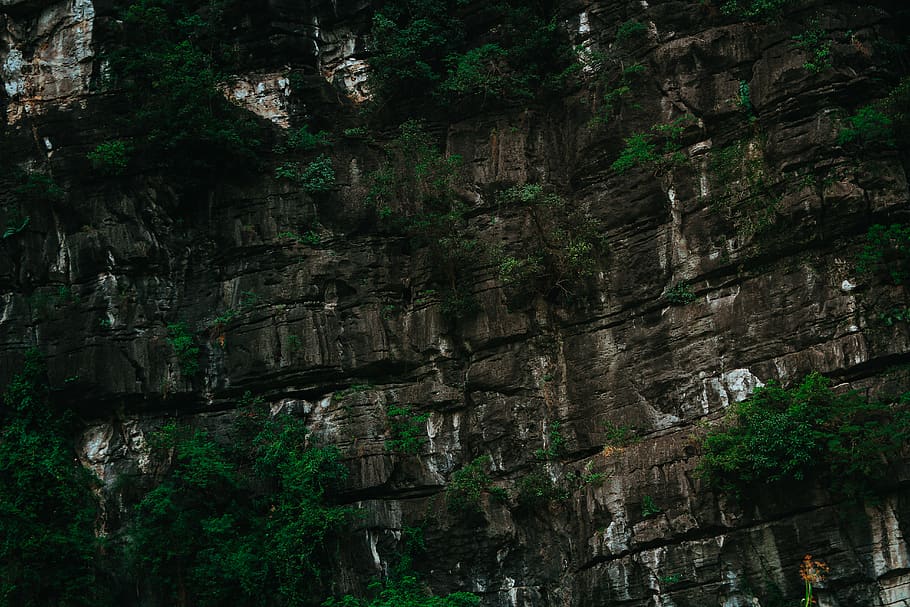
(232, 525)
(110, 157)
(808, 431)
(660, 148)
(405, 590)
(754, 9)
(563, 245)
(49, 551)
(469, 483)
(422, 46)
(171, 66)
(185, 347)
(406, 430)
(887, 251)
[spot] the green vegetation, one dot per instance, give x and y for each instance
(868, 125)
(302, 140)
(415, 193)
(562, 245)
(49, 550)
(671, 579)
(34, 187)
(619, 437)
(170, 65)
(887, 252)
(642, 149)
(419, 48)
(217, 529)
(405, 591)
(110, 157)
(556, 444)
(536, 489)
(310, 237)
(808, 431)
(753, 9)
(816, 43)
(316, 176)
(680, 294)
(745, 194)
(745, 101)
(14, 226)
(630, 29)
(185, 347)
(469, 483)
(648, 507)
(407, 430)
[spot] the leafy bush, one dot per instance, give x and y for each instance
(405, 591)
(536, 489)
(406, 428)
(185, 347)
(110, 157)
(630, 29)
(680, 295)
(170, 63)
(887, 251)
(316, 176)
(216, 530)
(641, 149)
(805, 432)
(868, 125)
(420, 48)
(648, 507)
(556, 446)
(744, 193)
(469, 483)
(816, 43)
(49, 548)
(753, 9)
(561, 249)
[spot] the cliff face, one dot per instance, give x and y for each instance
(98, 272)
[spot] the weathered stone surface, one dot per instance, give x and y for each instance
(354, 309)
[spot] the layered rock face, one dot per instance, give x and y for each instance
(95, 277)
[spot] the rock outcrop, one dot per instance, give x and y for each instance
(97, 274)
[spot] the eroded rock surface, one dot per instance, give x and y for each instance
(94, 279)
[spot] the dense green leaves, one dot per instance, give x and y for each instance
(887, 251)
(218, 530)
(419, 48)
(47, 510)
(405, 591)
(809, 430)
(171, 66)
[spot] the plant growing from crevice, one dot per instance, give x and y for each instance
(744, 194)
(566, 245)
(315, 176)
(816, 43)
(886, 252)
(658, 149)
(806, 432)
(754, 9)
(185, 347)
(648, 507)
(111, 157)
(537, 489)
(555, 445)
(50, 554)
(680, 294)
(469, 483)
(407, 430)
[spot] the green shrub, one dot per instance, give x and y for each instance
(805, 432)
(110, 157)
(648, 507)
(556, 445)
(887, 251)
(562, 246)
(35, 187)
(216, 530)
(406, 429)
(420, 49)
(630, 29)
(14, 226)
(469, 483)
(816, 43)
(316, 176)
(405, 591)
(185, 347)
(641, 149)
(680, 295)
(754, 9)
(744, 193)
(745, 100)
(868, 125)
(536, 489)
(170, 63)
(49, 550)
(302, 140)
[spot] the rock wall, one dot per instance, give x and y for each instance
(94, 279)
